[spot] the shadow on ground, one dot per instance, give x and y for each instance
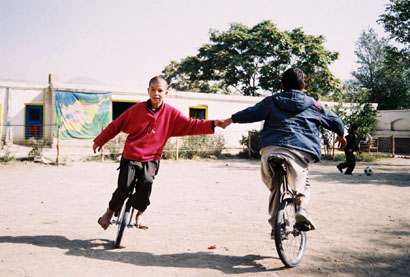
(364, 261)
(103, 250)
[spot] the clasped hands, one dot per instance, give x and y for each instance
(223, 123)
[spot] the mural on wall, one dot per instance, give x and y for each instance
(82, 115)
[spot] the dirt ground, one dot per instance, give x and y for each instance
(49, 227)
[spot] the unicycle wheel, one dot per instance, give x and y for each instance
(290, 242)
(123, 218)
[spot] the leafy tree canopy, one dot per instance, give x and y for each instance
(252, 60)
(396, 21)
(382, 75)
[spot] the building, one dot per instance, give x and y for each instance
(44, 112)
(393, 131)
(76, 113)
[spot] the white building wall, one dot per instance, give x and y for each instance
(3, 120)
(14, 98)
(393, 122)
(218, 107)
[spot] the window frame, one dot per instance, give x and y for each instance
(27, 106)
(120, 101)
(198, 107)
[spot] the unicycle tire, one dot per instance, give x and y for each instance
(122, 224)
(290, 242)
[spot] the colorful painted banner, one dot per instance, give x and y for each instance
(82, 115)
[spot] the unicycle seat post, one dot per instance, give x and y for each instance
(290, 241)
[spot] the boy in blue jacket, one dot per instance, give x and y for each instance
(290, 131)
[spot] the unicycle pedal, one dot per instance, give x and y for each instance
(303, 226)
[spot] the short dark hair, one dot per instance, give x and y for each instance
(156, 80)
(354, 127)
(293, 78)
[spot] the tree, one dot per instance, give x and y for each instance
(252, 60)
(396, 21)
(370, 52)
(384, 77)
(360, 112)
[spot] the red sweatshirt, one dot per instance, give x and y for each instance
(148, 131)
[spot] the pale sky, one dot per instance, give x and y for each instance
(124, 43)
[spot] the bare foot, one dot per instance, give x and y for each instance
(105, 220)
(138, 223)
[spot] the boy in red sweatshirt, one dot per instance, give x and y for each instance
(148, 124)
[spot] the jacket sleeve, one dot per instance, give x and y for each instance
(255, 113)
(331, 121)
(184, 126)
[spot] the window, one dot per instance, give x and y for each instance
(198, 112)
(118, 107)
(34, 121)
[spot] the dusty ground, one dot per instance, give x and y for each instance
(49, 214)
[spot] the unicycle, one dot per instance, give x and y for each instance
(124, 219)
(290, 237)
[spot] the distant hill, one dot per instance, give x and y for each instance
(14, 80)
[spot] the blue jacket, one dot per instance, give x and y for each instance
(292, 119)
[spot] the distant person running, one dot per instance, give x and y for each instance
(291, 131)
(353, 145)
(148, 124)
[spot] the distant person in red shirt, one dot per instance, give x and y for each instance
(148, 124)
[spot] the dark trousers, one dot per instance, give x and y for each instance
(350, 162)
(140, 174)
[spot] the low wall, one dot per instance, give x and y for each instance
(401, 145)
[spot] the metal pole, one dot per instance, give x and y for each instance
(393, 150)
(249, 145)
(7, 104)
(58, 143)
(176, 148)
(102, 148)
(49, 101)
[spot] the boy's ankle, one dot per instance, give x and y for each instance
(299, 200)
(109, 212)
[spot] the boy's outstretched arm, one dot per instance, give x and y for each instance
(341, 141)
(218, 122)
(225, 123)
(96, 148)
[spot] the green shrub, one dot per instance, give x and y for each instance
(169, 152)
(8, 156)
(191, 146)
(255, 138)
(364, 157)
(203, 146)
(329, 157)
(115, 146)
(37, 146)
